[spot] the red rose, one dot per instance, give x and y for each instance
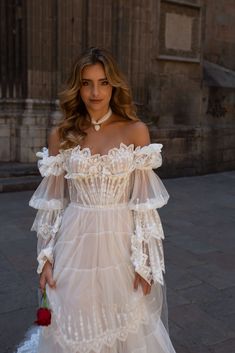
(43, 317)
(43, 313)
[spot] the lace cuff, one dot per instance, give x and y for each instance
(140, 259)
(44, 256)
(146, 245)
(46, 224)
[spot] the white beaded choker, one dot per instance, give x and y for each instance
(97, 123)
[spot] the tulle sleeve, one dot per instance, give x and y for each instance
(50, 199)
(148, 194)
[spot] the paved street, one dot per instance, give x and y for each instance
(199, 225)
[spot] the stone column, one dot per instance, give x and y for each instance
(42, 71)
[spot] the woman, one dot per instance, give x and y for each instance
(100, 237)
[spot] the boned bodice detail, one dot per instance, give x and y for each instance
(104, 179)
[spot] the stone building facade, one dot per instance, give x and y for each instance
(178, 56)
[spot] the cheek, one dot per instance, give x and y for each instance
(83, 93)
(109, 92)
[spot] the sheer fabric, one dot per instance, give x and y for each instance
(50, 199)
(148, 194)
(98, 224)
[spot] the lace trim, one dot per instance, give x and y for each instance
(50, 165)
(47, 225)
(86, 151)
(82, 339)
(44, 256)
(150, 204)
(42, 204)
(148, 225)
(47, 230)
(146, 157)
(146, 245)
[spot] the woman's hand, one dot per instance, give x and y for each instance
(46, 277)
(146, 287)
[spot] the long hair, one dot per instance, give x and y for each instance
(76, 120)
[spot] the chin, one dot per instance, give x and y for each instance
(98, 106)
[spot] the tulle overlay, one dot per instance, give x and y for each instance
(97, 224)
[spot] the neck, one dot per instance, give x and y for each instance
(97, 115)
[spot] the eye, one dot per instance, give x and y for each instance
(85, 83)
(105, 83)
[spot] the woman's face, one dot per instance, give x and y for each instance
(95, 91)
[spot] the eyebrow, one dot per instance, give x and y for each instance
(100, 79)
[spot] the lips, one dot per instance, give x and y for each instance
(95, 101)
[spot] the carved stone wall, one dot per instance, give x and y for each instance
(159, 44)
(220, 32)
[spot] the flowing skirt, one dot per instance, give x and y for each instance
(94, 306)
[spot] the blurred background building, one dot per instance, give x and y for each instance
(178, 56)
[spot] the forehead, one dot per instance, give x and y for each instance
(93, 71)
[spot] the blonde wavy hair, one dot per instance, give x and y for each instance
(76, 120)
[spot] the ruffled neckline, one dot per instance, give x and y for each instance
(86, 151)
(139, 157)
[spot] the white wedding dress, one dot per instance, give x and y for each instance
(97, 223)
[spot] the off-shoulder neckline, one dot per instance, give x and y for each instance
(131, 147)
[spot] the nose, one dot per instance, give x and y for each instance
(95, 90)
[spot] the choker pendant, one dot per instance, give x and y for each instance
(97, 123)
(97, 127)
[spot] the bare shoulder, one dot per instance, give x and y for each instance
(53, 141)
(139, 133)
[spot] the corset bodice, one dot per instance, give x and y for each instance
(99, 179)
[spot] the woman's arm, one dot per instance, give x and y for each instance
(141, 137)
(148, 194)
(46, 276)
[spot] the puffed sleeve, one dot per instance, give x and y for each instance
(50, 199)
(148, 194)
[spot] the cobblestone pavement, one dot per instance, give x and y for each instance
(199, 227)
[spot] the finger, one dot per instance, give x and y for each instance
(149, 289)
(145, 289)
(136, 282)
(51, 282)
